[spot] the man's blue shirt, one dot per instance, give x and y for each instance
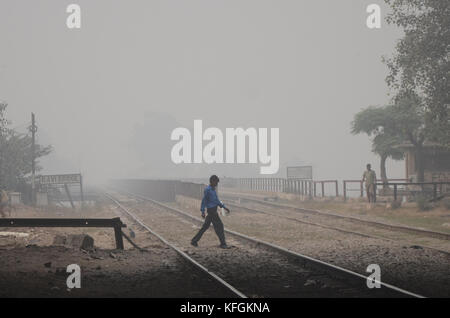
(210, 199)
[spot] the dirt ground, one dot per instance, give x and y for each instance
(30, 266)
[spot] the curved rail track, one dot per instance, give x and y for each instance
(285, 273)
(401, 228)
(330, 227)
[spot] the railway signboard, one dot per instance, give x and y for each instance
(60, 179)
(299, 172)
(49, 182)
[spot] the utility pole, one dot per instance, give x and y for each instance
(33, 129)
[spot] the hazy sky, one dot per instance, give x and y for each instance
(107, 96)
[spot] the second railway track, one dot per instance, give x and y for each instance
(253, 267)
(351, 225)
(402, 228)
(334, 226)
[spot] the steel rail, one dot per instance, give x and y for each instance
(180, 252)
(313, 261)
(403, 228)
(253, 210)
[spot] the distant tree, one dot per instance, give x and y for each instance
(15, 154)
(386, 146)
(393, 125)
(411, 125)
(3, 120)
(376, 122)
(421, 63)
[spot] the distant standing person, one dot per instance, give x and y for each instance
(370, 179)
(210, 202)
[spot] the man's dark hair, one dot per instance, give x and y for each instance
(369, 165)
(213, 178)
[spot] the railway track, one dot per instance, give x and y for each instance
(356, 220)
(300, 219)
(254, 267)
(220, 282)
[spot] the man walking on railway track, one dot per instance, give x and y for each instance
(370, 179)
(210, 202)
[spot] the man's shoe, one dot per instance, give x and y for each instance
(194, 243)
(225, 246)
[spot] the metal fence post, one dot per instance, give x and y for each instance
(344, 186)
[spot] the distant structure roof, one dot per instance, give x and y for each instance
(426, 144)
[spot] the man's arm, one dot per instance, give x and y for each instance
(223, 206)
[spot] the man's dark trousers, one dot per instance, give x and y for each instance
(213, 217)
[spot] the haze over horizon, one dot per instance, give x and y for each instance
(108, 96)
